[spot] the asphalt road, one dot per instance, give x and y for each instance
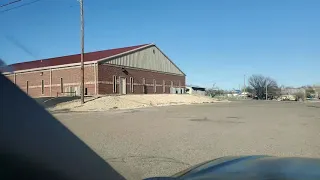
(161, 141)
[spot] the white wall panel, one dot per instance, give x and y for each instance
(150, 58)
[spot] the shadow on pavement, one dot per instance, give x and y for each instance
(48, 102)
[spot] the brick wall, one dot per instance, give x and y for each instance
(31, 82)
(70, 78)
(106, 73)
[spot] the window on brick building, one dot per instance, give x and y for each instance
(131, 84)
(61, 85)
(42, 86)
(155, 85)
(114, 84)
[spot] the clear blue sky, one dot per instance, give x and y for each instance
(213, 41)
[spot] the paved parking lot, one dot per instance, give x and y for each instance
(161, 141)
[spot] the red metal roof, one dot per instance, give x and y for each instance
(91, 56)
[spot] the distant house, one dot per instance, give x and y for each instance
(316, 88)
(236, 92)
(196, 90)
(292, 91)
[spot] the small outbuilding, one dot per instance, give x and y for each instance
(195, 90)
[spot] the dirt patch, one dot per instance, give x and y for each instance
(228, 122)
(132, 111)
(200, 119)
(132, 102)
(233, 117)
(205, 119)
(311, 106)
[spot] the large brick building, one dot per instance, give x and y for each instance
(129, 70)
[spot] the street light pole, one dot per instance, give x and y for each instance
(82, 52)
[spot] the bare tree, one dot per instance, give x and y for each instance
(259, 83)
(310, 92)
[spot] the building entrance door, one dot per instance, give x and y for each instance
(123, 86)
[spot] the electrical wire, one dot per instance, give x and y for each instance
(22, 5)
(12, 2)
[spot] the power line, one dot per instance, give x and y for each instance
(22, 5)
(12, 2)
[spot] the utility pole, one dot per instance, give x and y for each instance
(82, 52)
(244, 83)
(266, 90)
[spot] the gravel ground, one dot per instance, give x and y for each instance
(161, 141)
(132, 101)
